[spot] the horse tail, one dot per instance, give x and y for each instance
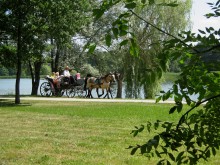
(85, 84)
(87, 76)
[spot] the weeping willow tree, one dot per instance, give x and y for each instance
(144, 72)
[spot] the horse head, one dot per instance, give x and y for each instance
(111, 77)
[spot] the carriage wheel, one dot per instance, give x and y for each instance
(80, 91)
(71, 92)
(45, 89)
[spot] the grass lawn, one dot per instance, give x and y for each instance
(44, 132)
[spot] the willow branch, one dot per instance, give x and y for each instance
(154, 26)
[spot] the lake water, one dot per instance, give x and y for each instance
(7, 87)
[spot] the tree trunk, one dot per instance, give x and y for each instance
(18, 77)
(120, 83)
(35, 75)
(56, 64)
(19, 54)
(119, 90)
(52, 55)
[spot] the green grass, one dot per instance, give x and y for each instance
(76, 133)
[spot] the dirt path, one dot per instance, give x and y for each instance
(87, 100)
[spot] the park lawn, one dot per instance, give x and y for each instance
(48, 132)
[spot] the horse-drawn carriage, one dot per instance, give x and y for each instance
(76, 87)
(72, 88)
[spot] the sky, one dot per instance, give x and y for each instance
(199, 21)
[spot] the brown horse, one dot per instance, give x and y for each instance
(102, 82)
(109, 89)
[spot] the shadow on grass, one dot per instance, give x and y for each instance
(11, 103)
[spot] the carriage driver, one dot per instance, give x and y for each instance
(66, 73)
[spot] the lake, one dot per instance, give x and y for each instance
(7, 87)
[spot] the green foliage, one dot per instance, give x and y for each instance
(132, 32)
(87, 68)
(7, 55)
(196, 135)
(4, 71)
(45, 70)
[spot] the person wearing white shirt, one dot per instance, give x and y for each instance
(66, 72)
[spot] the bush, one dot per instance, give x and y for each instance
(4, 71)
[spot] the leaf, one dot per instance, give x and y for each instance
(201, 31)
(156, 125)
(166, 95)
(156, 141)
(123, 32)
(108, 39)
(134, 150)
(141, 128)
(168, 162)
(179, 157)
(135, 132)
(157, 153)
(125, 15)
(175, 88)
(130, 5)
(123, 43)
(213, 151)
(172, 110)
(98, 13)
(207, 29)
(143, 148)
(149, 126)
(92, 48)
(208, 154)
(179, 107)
(171, 156)
(115, 32)
(158, 99)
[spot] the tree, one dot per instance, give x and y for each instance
(197, 133)
(29, 26)
(66, 19)
(129, 27)
(146, 71)
(21, 21)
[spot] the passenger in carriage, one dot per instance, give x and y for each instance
(57, 80)
(53, 75)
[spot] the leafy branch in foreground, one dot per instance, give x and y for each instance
(197, 133)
